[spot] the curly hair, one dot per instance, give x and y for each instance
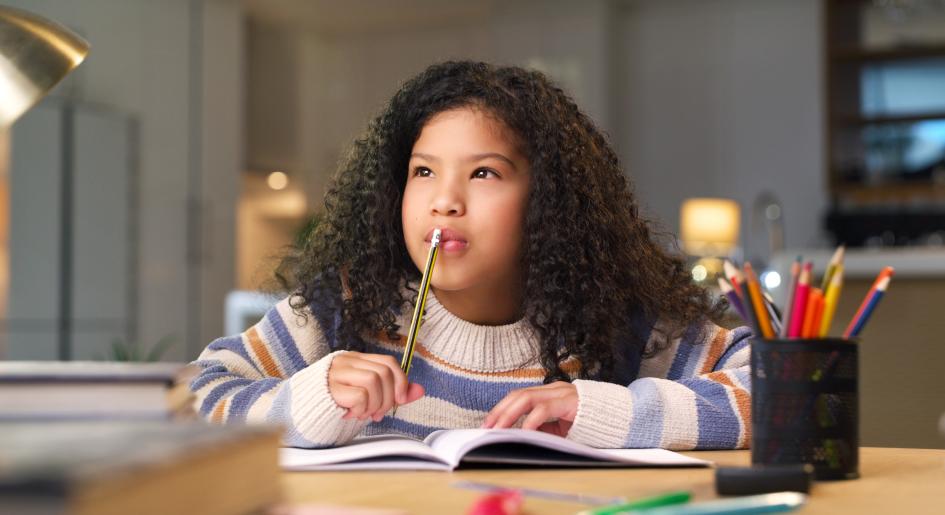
(586, 244)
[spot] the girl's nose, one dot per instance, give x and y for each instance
(448, 202)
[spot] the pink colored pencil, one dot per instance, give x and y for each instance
(800, 301)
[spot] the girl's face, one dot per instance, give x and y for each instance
(467, 177)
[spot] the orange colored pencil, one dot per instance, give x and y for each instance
(810, 312)
(754, 291)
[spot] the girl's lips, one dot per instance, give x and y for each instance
(452, 245)
(451, 240)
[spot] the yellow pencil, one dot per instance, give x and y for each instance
(421, 302)
(754, 291)
(830, 300)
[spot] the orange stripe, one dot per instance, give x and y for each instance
(742, 403)
(220, 410)
(570, 367)
(716, 348)
(262, 353)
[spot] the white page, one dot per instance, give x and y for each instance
(374, 452)
(452, 445)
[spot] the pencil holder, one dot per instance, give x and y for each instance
(805, 405)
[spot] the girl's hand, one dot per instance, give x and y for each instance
(550, 408)
(369, 385)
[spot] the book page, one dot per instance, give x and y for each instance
(383, 452)
(454, 444)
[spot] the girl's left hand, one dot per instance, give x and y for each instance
(550, 408)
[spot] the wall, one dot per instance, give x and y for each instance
(175, 67)
(723, 98)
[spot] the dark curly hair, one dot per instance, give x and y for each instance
(586, 245)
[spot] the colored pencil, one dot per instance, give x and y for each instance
(757, 302)
(733, 299)
(735, 277)
(785, 320)
(830, 300)
(810, 312)
(835, 261)
(773, 312)
(869, 303)
(799, 307)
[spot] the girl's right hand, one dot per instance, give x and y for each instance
(369, 385)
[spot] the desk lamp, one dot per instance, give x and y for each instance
(35, 54)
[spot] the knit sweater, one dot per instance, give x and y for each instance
(691, 395)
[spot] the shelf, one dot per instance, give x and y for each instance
(890, 54)
(882, 120)
(890, 191)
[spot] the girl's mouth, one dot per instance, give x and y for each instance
(451, 240)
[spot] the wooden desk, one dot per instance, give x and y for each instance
(893, 481)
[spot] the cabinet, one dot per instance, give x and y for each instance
(885, 121)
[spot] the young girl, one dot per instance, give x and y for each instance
(551, 306)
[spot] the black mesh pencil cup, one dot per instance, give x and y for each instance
(805, 406)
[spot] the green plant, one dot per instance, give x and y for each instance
(121, 350)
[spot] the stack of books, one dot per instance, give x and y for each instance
(93, 390)
(106, 468)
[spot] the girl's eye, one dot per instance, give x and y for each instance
(422, 171)
(483, 173)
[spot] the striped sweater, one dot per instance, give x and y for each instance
(692, 395)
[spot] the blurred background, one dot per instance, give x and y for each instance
(145, 201)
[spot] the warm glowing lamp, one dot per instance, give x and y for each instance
(709, 231)
(35, 54)
(709, 226)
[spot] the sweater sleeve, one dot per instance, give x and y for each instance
(274, 372)
(694, 395)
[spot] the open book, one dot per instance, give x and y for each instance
(449, 449)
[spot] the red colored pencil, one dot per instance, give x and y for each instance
(799, 308)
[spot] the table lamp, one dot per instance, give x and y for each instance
(709, 232)
(35, 54)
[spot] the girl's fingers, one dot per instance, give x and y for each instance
(351, 397)
(558, 400)
(399, 378)
(414, 392)
(385, 379)
(536, 417)
(367, 380)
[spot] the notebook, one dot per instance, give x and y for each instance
(106, 468)
(89, 390)
(453, 448)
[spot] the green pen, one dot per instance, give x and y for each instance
(642, 504)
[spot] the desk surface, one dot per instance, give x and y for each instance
(893, 481)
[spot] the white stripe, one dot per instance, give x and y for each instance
(259, 409)
(680, 418)
(468, 374)
(430, 411)
(308, 339)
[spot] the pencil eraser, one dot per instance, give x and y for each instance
(763, 479)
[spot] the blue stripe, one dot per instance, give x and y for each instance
(683, 350)
(396, 425)
(647, 423)
(741, 338)
(234, 344)
(244, 399)
(718, 422)
(210, 375)
(459, 390)
(280, 341)
(220, 391)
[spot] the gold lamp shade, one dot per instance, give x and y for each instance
(35, 54)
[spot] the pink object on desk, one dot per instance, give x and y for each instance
(504, 502)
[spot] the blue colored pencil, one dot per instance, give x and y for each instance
(856, 325)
